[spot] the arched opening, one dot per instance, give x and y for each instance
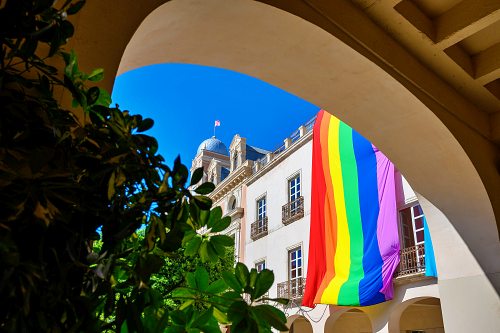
(231, 204)
(337, 79)
(421, 315)
(350, 321)
(299, 324)
(427, 149)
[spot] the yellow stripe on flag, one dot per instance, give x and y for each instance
(342, 256)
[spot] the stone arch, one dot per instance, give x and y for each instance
(443, 157)
(299, 324)
(336, 78)
(417, 314)
(348, 320)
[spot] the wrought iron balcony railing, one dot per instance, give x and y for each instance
(292, 289)
(412, 261)
(258, 229)
(293, 210)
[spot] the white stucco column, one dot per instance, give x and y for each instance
(468, 300)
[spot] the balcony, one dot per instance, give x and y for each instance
(293, 210)
(293, 289)
(412, 261)
(258, 229)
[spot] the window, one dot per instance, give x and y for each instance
(232, 203)
(294, 194)
(295, 271)
(412, 226)
(294, 188)
(260, 266)
(261, 209)
(412, 233)
(258, 229)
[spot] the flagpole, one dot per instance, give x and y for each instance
(216, 123)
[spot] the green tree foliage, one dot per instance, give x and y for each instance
(66, 183)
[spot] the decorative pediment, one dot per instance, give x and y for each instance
(237, 151)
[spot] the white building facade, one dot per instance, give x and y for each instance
(268, 196)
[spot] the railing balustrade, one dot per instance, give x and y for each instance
(412, 261)
(258, 229)
(294, 137)
(293, 211)
(292, 289)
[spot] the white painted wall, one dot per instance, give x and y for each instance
(274, 184)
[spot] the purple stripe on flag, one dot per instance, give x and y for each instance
(387, 227)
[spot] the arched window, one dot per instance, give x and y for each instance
(231, 205)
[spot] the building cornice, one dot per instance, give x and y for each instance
(236, 213)
(277, 159)
(234, 179)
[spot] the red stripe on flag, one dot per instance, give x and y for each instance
(316, 267)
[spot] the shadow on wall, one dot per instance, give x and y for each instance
(350, 320)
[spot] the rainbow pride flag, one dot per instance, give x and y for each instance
(354, 243)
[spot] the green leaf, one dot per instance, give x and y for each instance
(194, 212)
(204, 217)
(220, 225)
(203, 318)
(179, 177)
(186, 304)
(203, 251)
(215, 216)
(193, 246)
(201, 277)
(104, 98)
(71, 64)
(272, 316)
(124, 327)
(183, 293)
(111, 186)
(218, 248)
(96, 75)
(263, 282)
(196, 176)
(223, 240)
(145, 124)
(217, 287)
(67, 30)
(232, 281)
(242, 274)
(213, 254)
(253, 277)
(75, 8)
(205, 188)
(202, 202)
(93, 95)
(220, 316)
(178, 317)
(175, 329)
(191, 280)
(231, 295)
(237, 312)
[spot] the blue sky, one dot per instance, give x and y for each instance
(185, 100)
